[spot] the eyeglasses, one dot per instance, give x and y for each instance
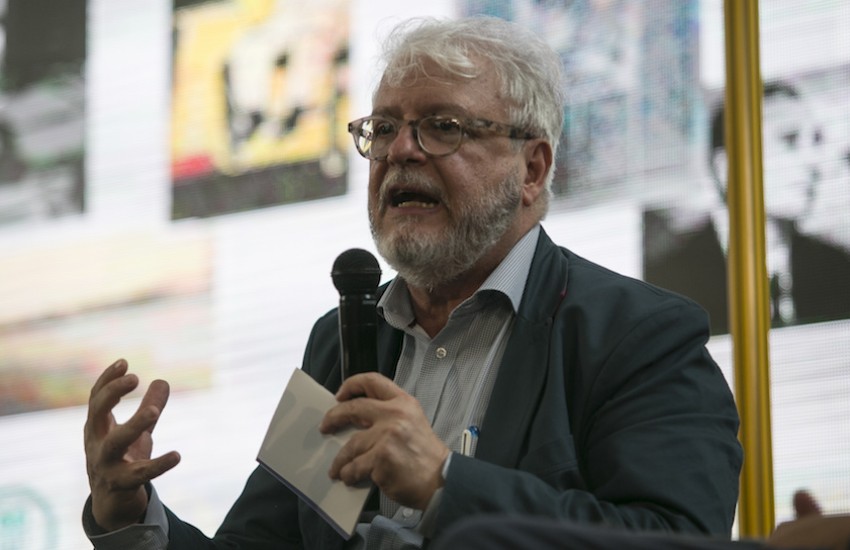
(438, 135)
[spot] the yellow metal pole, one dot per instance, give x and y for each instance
(748, 294)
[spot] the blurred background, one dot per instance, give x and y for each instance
(176, 182)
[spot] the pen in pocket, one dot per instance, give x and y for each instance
(467, 439)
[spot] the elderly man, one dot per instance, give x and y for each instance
(590, 396)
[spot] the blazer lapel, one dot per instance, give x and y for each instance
(524, 366)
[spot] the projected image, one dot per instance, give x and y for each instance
(42, 103)
(640, 187)
(807, 196)
(260, 101)
(630, 70)
(70, 311)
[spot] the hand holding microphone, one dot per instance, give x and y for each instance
(396, 448)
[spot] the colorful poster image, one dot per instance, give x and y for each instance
(42, 107)
(260, 101)
(70, 310)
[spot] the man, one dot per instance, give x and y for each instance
(584, 395)
(807, 275)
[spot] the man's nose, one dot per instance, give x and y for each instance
(405, 147)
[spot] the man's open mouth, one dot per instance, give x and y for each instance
(412, 199)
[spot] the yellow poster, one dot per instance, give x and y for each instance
(259, 105)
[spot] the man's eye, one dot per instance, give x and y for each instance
(384, 128)
(446, 125)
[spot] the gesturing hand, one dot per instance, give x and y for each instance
(118, 456)
(812, 529)
(397, 448)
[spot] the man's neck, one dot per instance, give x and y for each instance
(433, 306)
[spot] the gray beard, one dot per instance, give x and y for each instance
(428, 261)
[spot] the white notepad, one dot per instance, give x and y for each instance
(297, 454)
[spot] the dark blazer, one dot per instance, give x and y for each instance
(694, 264)
(607, 408)
(498, 532)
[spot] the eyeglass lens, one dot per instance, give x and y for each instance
(436, 135)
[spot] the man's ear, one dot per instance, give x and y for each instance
(538, 163)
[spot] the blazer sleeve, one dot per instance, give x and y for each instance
(264, 517)
(267, 515)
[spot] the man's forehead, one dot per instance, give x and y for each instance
(422, 77)
(434, 88)
(421, 68)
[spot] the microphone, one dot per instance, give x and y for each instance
(356, 275)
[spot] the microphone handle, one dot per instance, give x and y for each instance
(358, 333)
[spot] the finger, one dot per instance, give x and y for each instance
(806, 505)
(156, 396)
(351, 460)
(105, 399)
(162, 464)
(122, 436)
(358, 413)
(358, 470)
(140, 472)
(110, 373)
(370, 384)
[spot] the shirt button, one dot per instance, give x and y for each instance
(441, 352)
(406, 512)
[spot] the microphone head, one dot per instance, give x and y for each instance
(356, 271)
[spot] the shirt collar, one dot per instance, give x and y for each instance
(508, 278)
(510, 275)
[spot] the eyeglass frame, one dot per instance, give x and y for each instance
(466, 125)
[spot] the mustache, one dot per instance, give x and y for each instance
(409, 181)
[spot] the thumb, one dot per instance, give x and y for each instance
(806, 505)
